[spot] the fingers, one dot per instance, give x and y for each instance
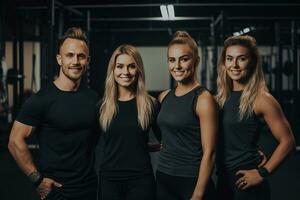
(46, 187)
(56, 184)
(44, 192)
(240, 172)
(242, 183)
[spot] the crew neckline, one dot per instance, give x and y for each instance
(65, 91)
(124, 101)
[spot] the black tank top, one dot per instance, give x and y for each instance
(238, 141)
(180, 128)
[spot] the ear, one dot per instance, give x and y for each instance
(58, 59)
(197, 61)
(88, 60)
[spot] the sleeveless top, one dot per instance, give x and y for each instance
(180, 128)
(238, 141)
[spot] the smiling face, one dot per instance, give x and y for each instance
(73, 59)
(182, 62)
(237, 63)
(125, 71)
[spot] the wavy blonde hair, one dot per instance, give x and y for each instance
(109, 106)
(255, 78)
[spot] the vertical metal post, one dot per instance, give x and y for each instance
(214, 56)
(278, 79)
(294, 42)
(88, 30)
(2, 39)
(20, 75)
(15, 69)
(51, 67)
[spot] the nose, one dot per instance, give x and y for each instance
(177, 65)
(125, 70)
(235, 63)
(75, 60)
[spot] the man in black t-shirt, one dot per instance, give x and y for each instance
(63, 114)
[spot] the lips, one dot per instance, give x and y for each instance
(125, 78)
(75, 68)
(235, 72)
(179, 73)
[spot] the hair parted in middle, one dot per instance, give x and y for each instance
(109, 106)
(255, 77)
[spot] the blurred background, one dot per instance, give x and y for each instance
(29, 31)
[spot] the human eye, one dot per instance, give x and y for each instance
(69, 55)
(243, 59)
(171, 60)
(132, 66)
(228, 59)
(82, 56)
(119, 66)
(185, 59)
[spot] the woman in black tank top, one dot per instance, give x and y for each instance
(188, 124)
(246, 107)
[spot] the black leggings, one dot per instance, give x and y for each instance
(179, 188)
(57, 194)
(226, 188)
(142, 188)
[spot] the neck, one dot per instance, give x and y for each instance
(125, 94)
(237, 86)
(187, 86)
(66, 84)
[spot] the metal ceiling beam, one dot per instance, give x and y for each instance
(263, 18)
(122, 19)
(144, 29)
(186, 5)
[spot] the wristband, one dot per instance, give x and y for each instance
(263, 172)
(35, 178)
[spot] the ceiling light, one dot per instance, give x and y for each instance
(171, 12)
(164, 12)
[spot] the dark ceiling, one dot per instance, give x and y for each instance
(141, 19)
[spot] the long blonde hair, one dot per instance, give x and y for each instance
(255, 83)
(109, 106)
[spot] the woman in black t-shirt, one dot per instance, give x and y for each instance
(126, 115)
(246, 107)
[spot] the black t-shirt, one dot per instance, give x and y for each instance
(66, 126)
(124, 150)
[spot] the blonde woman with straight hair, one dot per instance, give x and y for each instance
(246, 107)
(126, 116)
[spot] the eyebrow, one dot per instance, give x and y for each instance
(237, 56)
(180, 56)
(123, 63)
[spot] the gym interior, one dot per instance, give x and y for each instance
(29, 32)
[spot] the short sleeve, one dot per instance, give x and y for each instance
(32, 111)
(155, 128)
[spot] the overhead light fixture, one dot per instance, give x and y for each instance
(167, 12)
(245, 30)
(171, 12)
(164, 12)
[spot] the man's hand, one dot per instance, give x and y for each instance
(46, 186)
